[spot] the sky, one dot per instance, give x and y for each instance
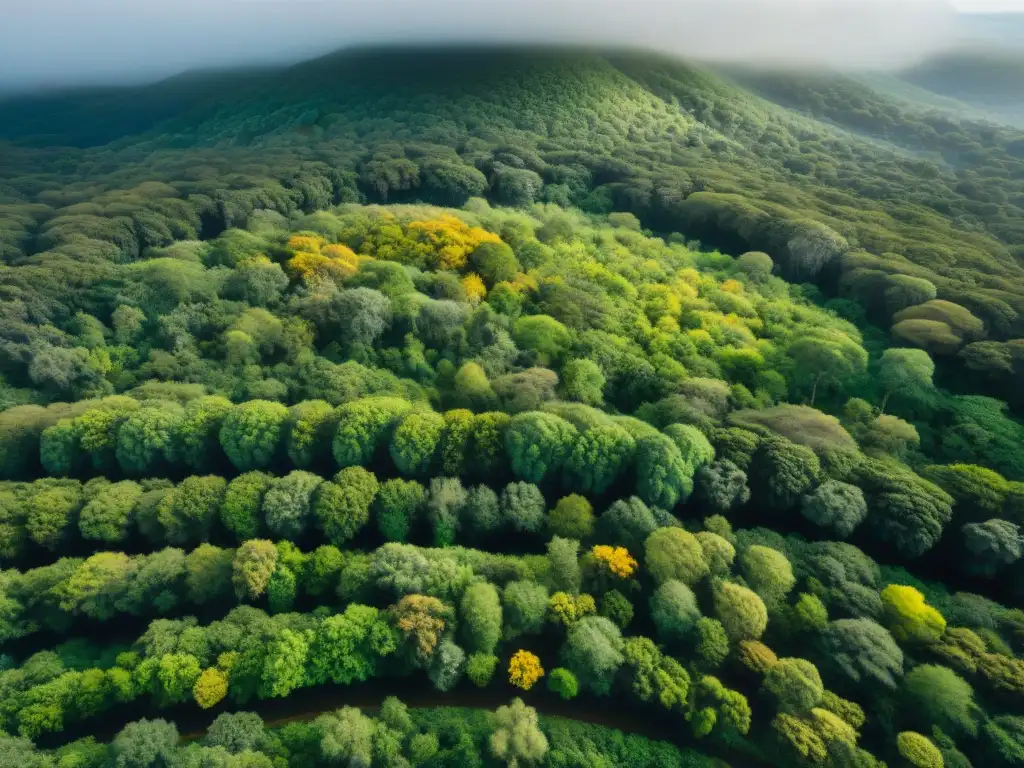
(48, 43)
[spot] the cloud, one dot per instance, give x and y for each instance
(63, 42)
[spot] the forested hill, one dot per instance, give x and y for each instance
(101, 176)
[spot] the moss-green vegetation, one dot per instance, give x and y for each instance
(608, 371)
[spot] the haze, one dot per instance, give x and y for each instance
(46, 43)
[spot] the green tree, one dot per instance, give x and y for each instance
(538, 444)
(288, 503)
(188, 512)
(583, 381)
(252, 567)
(397, 506)
(740, 610)
(242, 505)
(547, 339)
(907, 371)
(252, 433)
(147, 439)
(364, 426)
(782, 471)
(674, 554)
(795, 684)
(863, 651)
(572, 518)
(310, 427)
(107, 517)
(722, 486)
(937, 695)
(593, 653)
(663, 477)
(835, 505)
(144, 743)
(342, 508)
(198, 434)
(415, 441)
(517, 738)
(768, 572)
(674, 612)
(523, 507)
(481, 618)
(598, 457)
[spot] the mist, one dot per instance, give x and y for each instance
(51, 43)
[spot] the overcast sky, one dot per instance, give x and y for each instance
(65, 42)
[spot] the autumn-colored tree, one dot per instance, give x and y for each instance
(524, 669)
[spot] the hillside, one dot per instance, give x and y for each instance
(623, 132)
(521, 384)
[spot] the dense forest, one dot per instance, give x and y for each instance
(538, 380)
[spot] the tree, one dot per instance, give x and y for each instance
(50, 513)
(616, 606)
(309, 432)
(538, 444)
(627, 522)
(583, 381)
(252, 567)
(346, 737)
(593, 652)
(285, 664)
(176, 675)
(346, 647)
(147, 438)
(421, 621)
(211, 687)
(718, 552)
(674, 554)
(937, 695)
(674, 612)
(712, 641)
(365, 425)
(397, 506)
(598, 456)
(909, 617)
(188, 512)
(518, 739)
(768, 573)
(208, 574)
(826, 357)
(198, 432)
(835, 505)
(722, 486)
(144, 743)
(547, 339)
(563, 559)
(342, 508)
(288, 503)
(446, 665)
(415, 441)
(363, 315)
(480, 611)
(252, 433)
(663, 477)
(445, 502)
(108, 515)
(783, 471)
(524, 670)
(563, 683)
(993, 544)
(480, 668)
(523, 507)
(525, 605)
(236, 732)
(908, 371)
(241, 507)
(795, 684)
(741, 611)
(862, 650)
(572, 518)
(525, 390)
(918, 750)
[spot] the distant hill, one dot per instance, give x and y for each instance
(909, 187)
